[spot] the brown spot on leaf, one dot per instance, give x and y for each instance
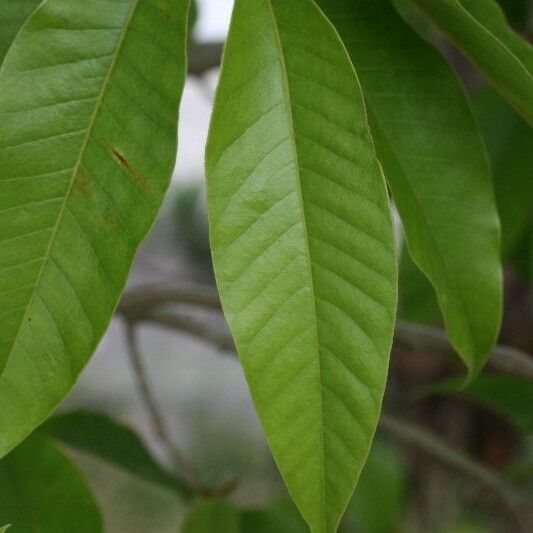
(82, 182)
(140, 178)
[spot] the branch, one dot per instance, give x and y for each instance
(438, 449)
(204, 57)
(152, 408)
(415, 337)
(140, 303)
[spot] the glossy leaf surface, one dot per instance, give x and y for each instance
(106, 439)
(435, 163)
(87, 147)
(303, 246)
(13, 14)
(479, 29)
(42, 492)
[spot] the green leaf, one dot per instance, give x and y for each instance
(3, 529)
(479, 29)
(13, 14)
(510, 396)
(112, 442)
(211, 516)
(303, 246)
(42, 492)
(87, 147)
(510, 146)
(435, 162)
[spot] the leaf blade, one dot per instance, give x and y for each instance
(296, 197)
(112, 442)
(80, 185)
(41, 490)
(13, 14)
(481, 31)
(435, 163)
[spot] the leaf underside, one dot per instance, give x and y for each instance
(435, 163)
(303, 246)
(87, 147)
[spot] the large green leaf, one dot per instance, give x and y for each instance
(13, 14)
(435, 163)
(211, 516)
(479, 28)
(303, 246)
(88, 104)
(42, 492)
(112, 442)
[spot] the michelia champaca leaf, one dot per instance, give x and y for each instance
(479, 29)
(303, 246)
(88, 104)
(109, 440)
(13, 14)
(41, 491)
(435, 162)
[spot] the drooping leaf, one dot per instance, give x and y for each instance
(479, 29)
(211, 516)
(434, 160)
(13, 14)
(510, 396)
(303, 246)
(112, 442)
(509, 142)
(42, 492)
(87, 147)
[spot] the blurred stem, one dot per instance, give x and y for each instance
(419, 338)
(436, 448)
(152, 408)
(143, 303)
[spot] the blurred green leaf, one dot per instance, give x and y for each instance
(479, 29)
(99, 435)
(211, 516)
(42, 492)
(3, 529)
(13, 14)
(509, 142)
(517, 12)
(509, 396)
(436, 165)
(381, 496)
(282, 517)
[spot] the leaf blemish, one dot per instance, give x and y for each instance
(139, 176)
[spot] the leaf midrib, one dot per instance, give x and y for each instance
(286, 89)
(83, 148)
